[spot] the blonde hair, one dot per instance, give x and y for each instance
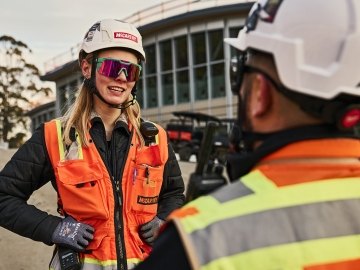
(78, 116)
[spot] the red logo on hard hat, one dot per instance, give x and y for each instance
(124, 35)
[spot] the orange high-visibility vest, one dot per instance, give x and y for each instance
(297, 209)
(88, 194)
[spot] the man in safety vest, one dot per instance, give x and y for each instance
(295, 198)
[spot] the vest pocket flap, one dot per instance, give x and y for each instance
(82, 191)
(79, 173)
(150, 155)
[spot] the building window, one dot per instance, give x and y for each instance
(166, 55)
(150, 63)
(182, 69)
(218, 80)
(51, 114)
(166, 65)
(150, 78)
(181, 53)
(200, 66)
(201, 87)
(216, 52)
(199, 48)
(168, 88)
(183, 94)
(151, 88)
(216, 44)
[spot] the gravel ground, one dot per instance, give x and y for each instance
(19, 253)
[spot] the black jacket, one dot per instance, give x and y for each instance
(30, 168)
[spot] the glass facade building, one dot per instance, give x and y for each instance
(187, 62)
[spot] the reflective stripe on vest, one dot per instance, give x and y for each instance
(76, 143)
(88, 194)
(252, 224)
(93, 264)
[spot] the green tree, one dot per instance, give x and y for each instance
(17, 140)
(19, 80)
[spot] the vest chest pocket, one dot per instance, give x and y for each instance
(146, 186)
(82, 190)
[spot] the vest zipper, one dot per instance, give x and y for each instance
(118, 222)
(119, 230)
(117, 193)
(117, 186)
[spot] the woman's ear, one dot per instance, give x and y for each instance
(86, 69)
(261, 97)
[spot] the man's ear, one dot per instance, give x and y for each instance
(261, 96)
(86, 69)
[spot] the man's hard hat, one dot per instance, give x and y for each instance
(315, 43)
(111, 33)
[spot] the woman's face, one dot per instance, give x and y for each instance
(115, 90)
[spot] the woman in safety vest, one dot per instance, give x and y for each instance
(116, 176)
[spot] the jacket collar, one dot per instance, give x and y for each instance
(121, 121)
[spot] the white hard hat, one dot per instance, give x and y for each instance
(111, 33)
(315, 43)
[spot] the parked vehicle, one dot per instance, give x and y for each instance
(221, 140)
(209, 173)
(186, 132)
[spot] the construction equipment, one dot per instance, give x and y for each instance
(208, 174)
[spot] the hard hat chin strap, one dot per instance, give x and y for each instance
(342, 111)
(90, 85)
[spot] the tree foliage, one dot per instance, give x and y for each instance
(19, 80)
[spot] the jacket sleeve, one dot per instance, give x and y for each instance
(172, 190)
(28, 170)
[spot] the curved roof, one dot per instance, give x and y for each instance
(197, 15)
(165, 15)
(174, 8)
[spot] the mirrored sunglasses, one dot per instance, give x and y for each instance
(112, 68)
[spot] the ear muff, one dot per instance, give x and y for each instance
(348, 118)
(339, 112)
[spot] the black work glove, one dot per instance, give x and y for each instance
(150, 230)
(72, 234)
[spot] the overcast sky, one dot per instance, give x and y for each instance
(51, 27)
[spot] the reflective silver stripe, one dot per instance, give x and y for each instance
(131, 265)
(275, 227)
(98, 267)
(55, 265)
(91, 264)
(232, 191)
